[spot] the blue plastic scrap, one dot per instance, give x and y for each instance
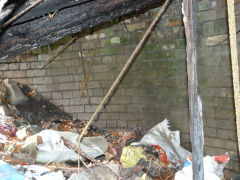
(7, 172)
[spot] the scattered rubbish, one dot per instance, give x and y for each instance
(23, 132)
(213, 168)
(169, 141)
(33, 131)
(131, 156)
(147, 158)
(14, 94)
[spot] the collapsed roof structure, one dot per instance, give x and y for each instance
(36, 28)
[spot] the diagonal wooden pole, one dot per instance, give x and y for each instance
(59, 51)
(124, 70)
(84, 84)
(84, 71)
(234, 58)
(195, 104)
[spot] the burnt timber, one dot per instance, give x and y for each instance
(35, 28)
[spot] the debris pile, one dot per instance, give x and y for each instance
(39, 141)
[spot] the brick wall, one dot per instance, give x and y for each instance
(156, 85)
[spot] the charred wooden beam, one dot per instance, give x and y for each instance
(34, 30)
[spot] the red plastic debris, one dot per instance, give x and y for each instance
(162, 154)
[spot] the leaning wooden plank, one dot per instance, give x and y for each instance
(124, 69)
(234, 58)
(195, 105)
(41, 31)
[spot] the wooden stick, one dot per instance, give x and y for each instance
(59, 51)
(125, 68)
(89, 68)
(86, 156)
(84, 72)
(234, 58)
(21, 13)
(195, 104)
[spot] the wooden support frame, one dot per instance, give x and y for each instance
(195, 105)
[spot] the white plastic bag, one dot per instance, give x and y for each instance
(53, 149)
(213, 168)
(168, 140)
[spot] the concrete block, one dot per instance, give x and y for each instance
(36, 73)
(42, 80)
(116, 108)
(129, 116)
(106, 115)
(61, 79)
(69, 86)
(122, 124)
(67, 94)
(84, 116)
(95, 100)
(36, 65)
(43, 57)
(90, 108)
(227, 134)
(74, 109)
(24, 66)
(132, 124)
(111, 123)
(46, 95)
(57, 71)
(13, 66)
(223, 113)
(3, 67)
(57, 95)
(60, 102)
(15, 74)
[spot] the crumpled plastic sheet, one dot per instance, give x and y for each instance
(53, 149)
(168, 140)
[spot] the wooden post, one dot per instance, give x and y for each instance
(195, 105)
(234, 58)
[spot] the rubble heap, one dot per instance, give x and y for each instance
(40, 141)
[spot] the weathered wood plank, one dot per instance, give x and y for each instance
(195, 104)
(42, 31)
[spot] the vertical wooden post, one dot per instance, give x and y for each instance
(195, 105)
(235, 69)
